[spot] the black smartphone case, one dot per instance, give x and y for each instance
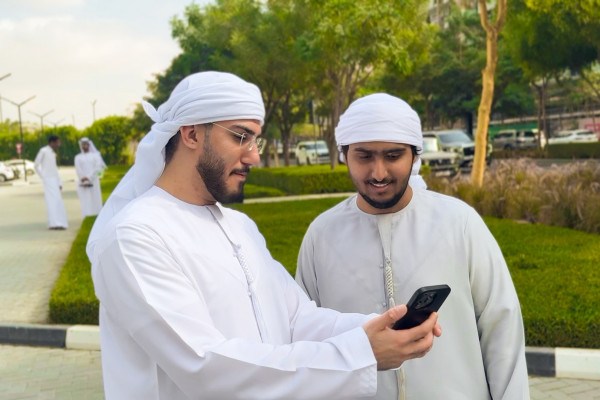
(422, 303)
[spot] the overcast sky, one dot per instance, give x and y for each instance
(70, 53)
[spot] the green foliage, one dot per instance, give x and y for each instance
(73, 300)
(34, 140)
(555, 271)
(304, 179)
(111, 137)
(255, 191)
(574, 150)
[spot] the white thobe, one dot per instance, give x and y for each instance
(89, 165)
(435, 239)
(45, 166)
(192, 305)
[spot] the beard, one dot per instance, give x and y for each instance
(212, 171)
(385, 204)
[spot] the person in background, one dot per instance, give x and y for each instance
(46, 168)
(376, 248)
(192, 305)
(89, 165)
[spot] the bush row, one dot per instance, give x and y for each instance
(574, 150)
(303, 180)
(72, 300)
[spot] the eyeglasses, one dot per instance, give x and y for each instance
(246, 139)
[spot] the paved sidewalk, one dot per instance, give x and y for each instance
(30, 260)
(31, 255)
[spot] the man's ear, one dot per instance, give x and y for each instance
(190, 135)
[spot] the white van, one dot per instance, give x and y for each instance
(312, 152)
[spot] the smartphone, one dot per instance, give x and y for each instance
(422, 303)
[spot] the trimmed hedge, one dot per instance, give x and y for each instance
(304, 180)
(73, 300)
(555, 270)
(574, 150)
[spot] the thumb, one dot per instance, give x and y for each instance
(392, 315)
(385, 320)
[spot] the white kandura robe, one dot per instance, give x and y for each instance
(45, 166)
(192, 305)
(435, 239)
(89, 165)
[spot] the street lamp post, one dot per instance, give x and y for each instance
(42, 118)
(21, 128)
(1, 117)
(94, 110)
(57, 122)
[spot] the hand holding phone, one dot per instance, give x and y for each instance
(422, 303)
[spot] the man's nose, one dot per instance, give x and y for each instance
(379, 170)
(251, 157)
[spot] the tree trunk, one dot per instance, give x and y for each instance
(487, 91)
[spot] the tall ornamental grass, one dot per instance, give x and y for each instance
(565, 195)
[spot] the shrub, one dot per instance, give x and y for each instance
(73, 300)
(519, 153)
(255, 191)
(567, 195)
(574, 150)
(304, 180)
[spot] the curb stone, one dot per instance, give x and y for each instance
(541, 361)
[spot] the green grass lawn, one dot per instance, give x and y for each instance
(556, 271)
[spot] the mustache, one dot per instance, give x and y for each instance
(243, 170)
(386, 181)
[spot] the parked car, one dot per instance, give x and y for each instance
(6, 173)
(17, 166)
(510, 139)
(457, 140)
(441, 163)
(574, 136)
(312, 152)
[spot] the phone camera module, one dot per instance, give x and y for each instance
(425, 300)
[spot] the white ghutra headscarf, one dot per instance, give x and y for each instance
(380, 117)
(198, 99)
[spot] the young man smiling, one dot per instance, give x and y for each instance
(192, 305)
(373, 250)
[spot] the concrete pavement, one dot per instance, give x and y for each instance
(31, 257)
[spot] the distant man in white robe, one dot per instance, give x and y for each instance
(89, 165)
(46, 168)
(376, 248)
(192, 305)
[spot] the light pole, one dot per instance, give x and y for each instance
(21, 128)
(57, 122)
(42, 118)
(1, 117)
(94, 110)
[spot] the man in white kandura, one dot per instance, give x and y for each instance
(88, 165)
(46, 168)
(376, 248)
(192, 305)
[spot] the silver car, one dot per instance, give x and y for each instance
(441, 163)
(510, 139)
